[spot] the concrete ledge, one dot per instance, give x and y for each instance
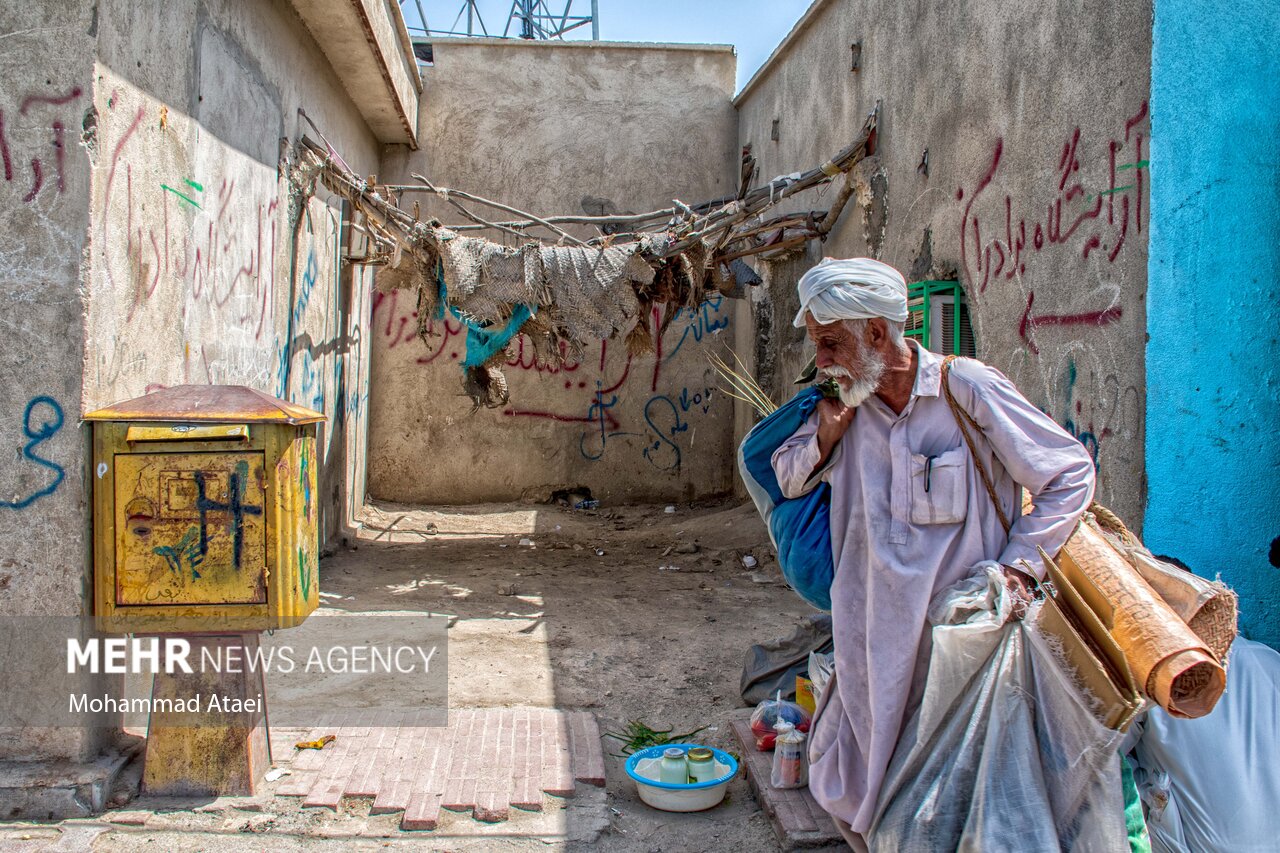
(571, 44)
(56, 790)
(798, 821)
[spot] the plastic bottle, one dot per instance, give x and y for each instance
(674, 769)
(790, 764)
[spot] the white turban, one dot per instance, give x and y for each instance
(853, 289)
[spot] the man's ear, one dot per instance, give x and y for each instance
(877, 331)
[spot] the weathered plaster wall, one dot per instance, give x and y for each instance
(567, 128)
(1035, 120)
(198, 275)
(147, 244)
(1213, 361)
(46, 61)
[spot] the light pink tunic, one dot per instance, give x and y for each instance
(896, 544)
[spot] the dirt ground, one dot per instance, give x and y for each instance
(622, 636)
(627, 612)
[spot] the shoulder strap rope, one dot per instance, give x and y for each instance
(962, 416)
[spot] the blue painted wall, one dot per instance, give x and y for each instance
(1213, 361)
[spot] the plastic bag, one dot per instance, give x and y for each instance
(790, 763)
(774, 664)
(767, 715)
(820, 668)
(800, 528)
(1004, 752)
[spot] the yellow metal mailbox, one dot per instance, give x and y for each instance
(204, 512)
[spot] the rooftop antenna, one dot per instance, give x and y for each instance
(536, 20)
(528, 19)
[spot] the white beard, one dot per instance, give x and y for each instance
(871, 366)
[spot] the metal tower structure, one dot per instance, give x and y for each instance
(528, 19)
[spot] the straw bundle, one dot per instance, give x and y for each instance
(741, 385)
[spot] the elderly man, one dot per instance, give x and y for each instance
(910, 514)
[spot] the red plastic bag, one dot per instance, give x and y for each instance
(768, 713)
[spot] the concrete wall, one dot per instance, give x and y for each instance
(46, 59)
(1213, 382)
(1035, 119)
(198, 275)
(367, 45)
(148, 244)
(564, 128)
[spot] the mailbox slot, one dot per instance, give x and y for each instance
(187, 432)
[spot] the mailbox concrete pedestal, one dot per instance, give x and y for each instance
(212, 751)
(206, 527)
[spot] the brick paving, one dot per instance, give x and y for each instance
(486, 761)
(798, 820)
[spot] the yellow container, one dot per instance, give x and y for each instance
(804, 695)
(204, 512)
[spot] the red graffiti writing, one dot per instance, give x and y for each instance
(1075, 212)
(58, 142)
(1030, 322)
(211, 249)
(594, 401)
(402, 327)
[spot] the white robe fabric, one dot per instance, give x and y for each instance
(896, 544)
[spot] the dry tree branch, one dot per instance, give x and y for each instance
(447, 193)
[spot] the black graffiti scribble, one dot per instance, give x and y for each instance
(234, 506)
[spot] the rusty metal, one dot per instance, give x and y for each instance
(224, 403)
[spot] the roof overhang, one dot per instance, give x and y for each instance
(368, 47)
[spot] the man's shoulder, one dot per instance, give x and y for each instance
(973, 372)
(977, 384)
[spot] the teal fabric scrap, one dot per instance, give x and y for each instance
(1135, 823)
(483, 342)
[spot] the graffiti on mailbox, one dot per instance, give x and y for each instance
(194, 528)
(235, 507)
(188, 551)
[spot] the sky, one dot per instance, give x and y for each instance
(754, 27)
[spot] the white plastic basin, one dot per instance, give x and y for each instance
(644, 765)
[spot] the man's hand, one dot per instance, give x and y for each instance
(1022, 587)
(834, 419)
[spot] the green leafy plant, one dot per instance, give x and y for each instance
(636, 735)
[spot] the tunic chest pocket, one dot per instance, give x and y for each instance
(939, 487)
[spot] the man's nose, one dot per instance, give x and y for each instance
(824, 359)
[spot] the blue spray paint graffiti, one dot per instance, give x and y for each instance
(704, 320)
(235, 507)
(663, 417)
(188, 549)
(1085, 437)
(41, 422)
(312, 390)
(601, 415)
(309, 276)
(304, 477)
(664, 453)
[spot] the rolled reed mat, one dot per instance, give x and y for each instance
(1208, 607)
(1174, 666)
